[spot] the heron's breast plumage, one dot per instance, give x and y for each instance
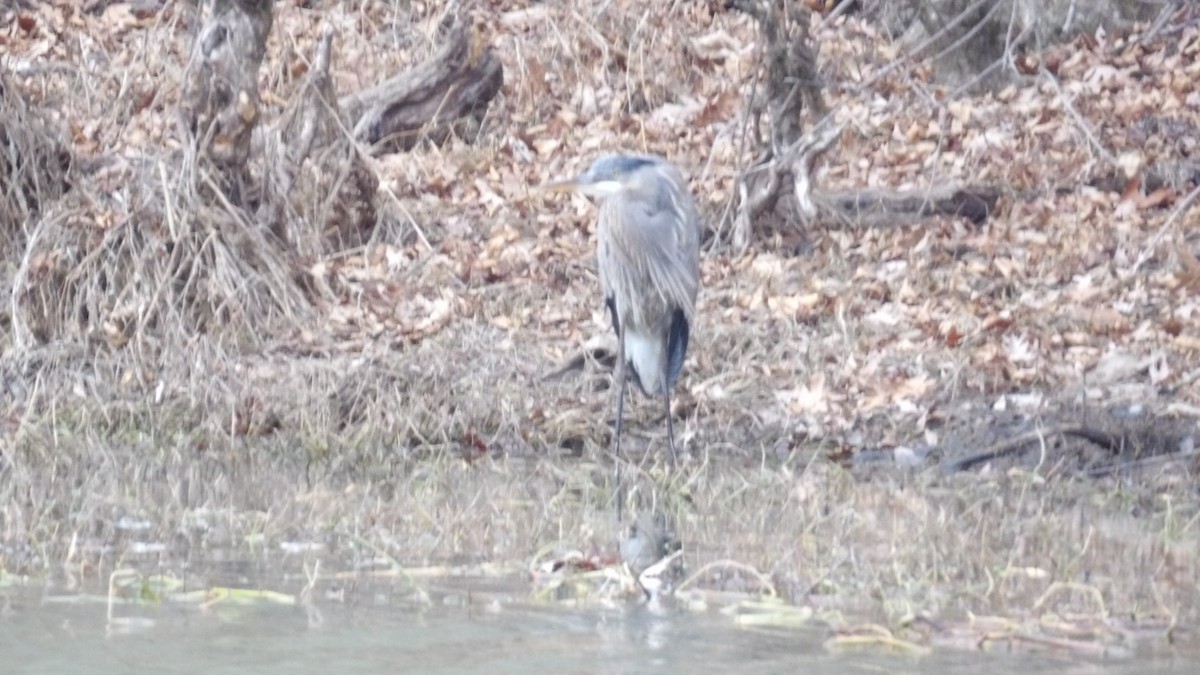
(647, 354)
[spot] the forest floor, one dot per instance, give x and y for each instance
(837, 378)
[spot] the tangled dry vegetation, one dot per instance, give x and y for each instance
(167, 360)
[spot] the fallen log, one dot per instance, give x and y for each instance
(448, 94)
(882, 208)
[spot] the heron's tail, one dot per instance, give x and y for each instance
(656, 358)
(677, 344)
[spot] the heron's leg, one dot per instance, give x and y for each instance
(619, 375)
(670, 427)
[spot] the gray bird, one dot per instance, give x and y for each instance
(649, 255)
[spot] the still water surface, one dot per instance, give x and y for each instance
(41, 635)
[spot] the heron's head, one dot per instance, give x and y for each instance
(608, 175)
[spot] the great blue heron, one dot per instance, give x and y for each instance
(649, 253)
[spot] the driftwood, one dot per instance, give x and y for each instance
(871, 207)
(881, 208)
(448, 94)
(779, 190)
(320, 189)
(791, 80)
(323, 190)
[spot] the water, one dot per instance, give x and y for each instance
(38, 635)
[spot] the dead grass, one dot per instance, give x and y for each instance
(189, 380)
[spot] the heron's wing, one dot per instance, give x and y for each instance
(659, 242)
(650, 274)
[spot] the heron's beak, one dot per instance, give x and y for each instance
(568, 185)
(601, 188)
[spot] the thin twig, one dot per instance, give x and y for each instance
(1149, 250)
(1080, 122)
